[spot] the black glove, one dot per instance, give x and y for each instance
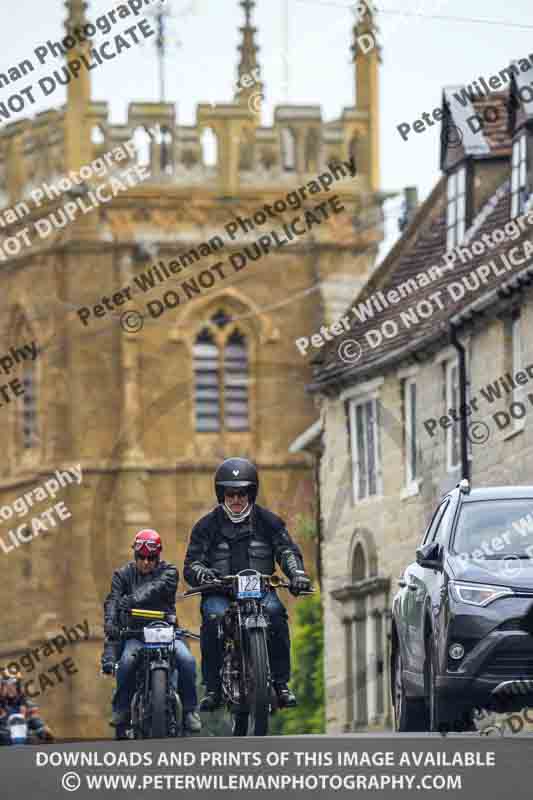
(205, 574)
(126, 602)
(108, 667)
(300, 582)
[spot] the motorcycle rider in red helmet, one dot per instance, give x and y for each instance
(151, 583)
(240, 534)
(14, 701)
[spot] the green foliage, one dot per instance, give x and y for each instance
(307, 673)
(305, 527)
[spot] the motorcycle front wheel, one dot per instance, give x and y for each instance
(158, 695)
(255, 721)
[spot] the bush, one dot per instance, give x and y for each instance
(307, 654)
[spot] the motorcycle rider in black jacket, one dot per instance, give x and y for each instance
(239, 534)
(146, 583)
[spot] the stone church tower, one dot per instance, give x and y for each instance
(149, 414)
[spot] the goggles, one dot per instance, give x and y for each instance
(236, 492)
(151, 546)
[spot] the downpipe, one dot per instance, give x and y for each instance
(461, 352)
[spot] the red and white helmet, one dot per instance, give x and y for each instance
(147, 543)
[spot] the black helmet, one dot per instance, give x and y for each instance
(237, 473)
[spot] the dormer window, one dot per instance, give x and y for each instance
(519, 192)
(456, 209)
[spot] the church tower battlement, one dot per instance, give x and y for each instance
(249, 156)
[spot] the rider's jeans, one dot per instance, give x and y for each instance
(185, 677)
(213, 607)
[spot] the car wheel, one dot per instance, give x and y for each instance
(409, 714)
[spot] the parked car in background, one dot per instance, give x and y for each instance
(462, 620)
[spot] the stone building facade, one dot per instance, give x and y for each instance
(148, 414)
(460, 276)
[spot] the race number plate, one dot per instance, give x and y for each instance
(19, 732)
(159, 635)
(249, 586)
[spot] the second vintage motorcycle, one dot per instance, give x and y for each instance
(156, 711)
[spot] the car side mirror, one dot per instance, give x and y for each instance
(429, 556)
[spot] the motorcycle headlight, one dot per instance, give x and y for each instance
(478, 594)
(159, 635)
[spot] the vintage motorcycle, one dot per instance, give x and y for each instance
(247, 689)
(156, 710)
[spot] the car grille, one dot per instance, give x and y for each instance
(512, 660)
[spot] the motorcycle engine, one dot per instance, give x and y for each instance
(230, 678)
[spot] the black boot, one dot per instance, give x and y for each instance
(286, 698)
(121, 732)
(211, 701)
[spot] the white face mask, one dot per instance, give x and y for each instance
(240, 516)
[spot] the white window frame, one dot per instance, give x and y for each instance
(411, 477)
(519, 175)
(354, 404)
(456, 207)
(454, 430)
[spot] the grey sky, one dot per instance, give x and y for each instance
(420, 56)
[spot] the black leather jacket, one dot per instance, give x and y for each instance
(256, 543)
(156, 591)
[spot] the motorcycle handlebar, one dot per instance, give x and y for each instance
(273, 582)
(132, 632)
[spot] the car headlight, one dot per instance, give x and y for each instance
(478, 594)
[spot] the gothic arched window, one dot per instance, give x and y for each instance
(360, 657)
(365, 598)
(358, 563)
(221, 377)
(236, 383)
(25, 408)
(29, 407)
(207, 387)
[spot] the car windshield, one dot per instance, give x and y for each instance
(495, 529)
